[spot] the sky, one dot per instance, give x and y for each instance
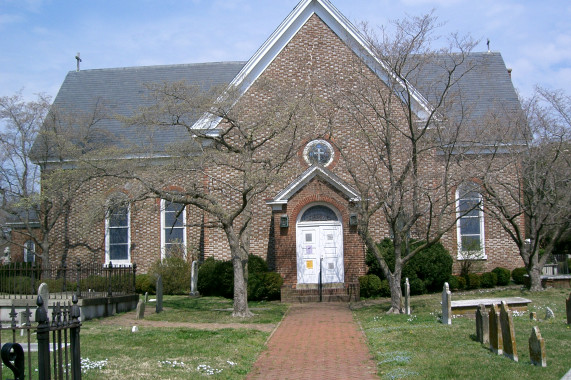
(39, 39)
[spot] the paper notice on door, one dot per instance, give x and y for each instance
(309, 250)
(309, 264)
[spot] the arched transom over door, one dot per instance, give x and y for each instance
(319, 245)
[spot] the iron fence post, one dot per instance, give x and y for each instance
(134, 277)
(64, 270)
(110, 269)
(43, 337)
(74, 341)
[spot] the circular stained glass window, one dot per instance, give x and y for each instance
(318, 152)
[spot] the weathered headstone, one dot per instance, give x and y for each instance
(537, 353)
(508, 332)
(568, 307)
(496, 342)
(482, 325)
(549, 313)
(194, 279)
(446, 305)
(44, 292)
(146, 297)
(407, 297)
(159, 305)
(140, 310)
(135, 329)
(533, 316)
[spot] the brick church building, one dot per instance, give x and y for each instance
(309, 220)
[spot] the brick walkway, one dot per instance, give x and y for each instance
(316, 341)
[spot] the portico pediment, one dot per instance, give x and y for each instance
(312, 172)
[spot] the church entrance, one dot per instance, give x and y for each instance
(319, 240)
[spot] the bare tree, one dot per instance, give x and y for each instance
(223, 162)
(407, 166)
(541, 193)
(38, 143)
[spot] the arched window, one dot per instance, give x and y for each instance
(470, 225)
(319, 214)
(118, 234)
(173, 228)
(29, 251)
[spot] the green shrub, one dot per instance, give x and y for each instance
(503, 275)
(256, 265)
(216, 278)
(472, 281)
(145, 283)
(370, 285)
(432, 266)
(175, 273)
(264, 286)
(417, 286)
(93, 282)
(519, 275)
(456, 283)
(488, 280)
(385, 289)
(57, 285)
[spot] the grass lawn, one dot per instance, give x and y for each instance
(113, 351)
(420, 347)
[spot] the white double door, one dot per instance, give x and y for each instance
(319, 247)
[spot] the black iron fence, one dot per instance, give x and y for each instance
(22, 280)
(56, 343)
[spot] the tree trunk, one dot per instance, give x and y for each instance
(241, 308)
(396, 293)
(535, 277)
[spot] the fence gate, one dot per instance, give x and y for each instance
(61, 333)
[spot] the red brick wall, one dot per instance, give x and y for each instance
(310, 59)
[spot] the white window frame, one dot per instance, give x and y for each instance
(481, 255)
(27, 249)
(164, 227)
(107, 240)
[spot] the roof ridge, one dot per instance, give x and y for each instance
(158, 66)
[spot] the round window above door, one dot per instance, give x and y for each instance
(318, 152)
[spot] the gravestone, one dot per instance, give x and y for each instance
(508, 332)
(135, 329)
(568, 307)
(549, 313)
(194, 279)
(533, 316)
(482, 325)
(44, 292)
(537, 353)
(159, 305)
(140, 310)
(146, 297)
(407, 297)
(496, 342)
(446, 305)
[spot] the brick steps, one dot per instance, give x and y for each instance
(310, 293)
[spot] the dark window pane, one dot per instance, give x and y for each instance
(470, 243)
(119, 217)
(470, 226)
(118, 235)
(319, 214)
(171, 220)
(174, 235)
(118, 252)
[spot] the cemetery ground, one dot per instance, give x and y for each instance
(198, 338)
(418, 346)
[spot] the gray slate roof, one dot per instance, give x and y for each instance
(484, 85)
(121, 91)
(486, 88)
